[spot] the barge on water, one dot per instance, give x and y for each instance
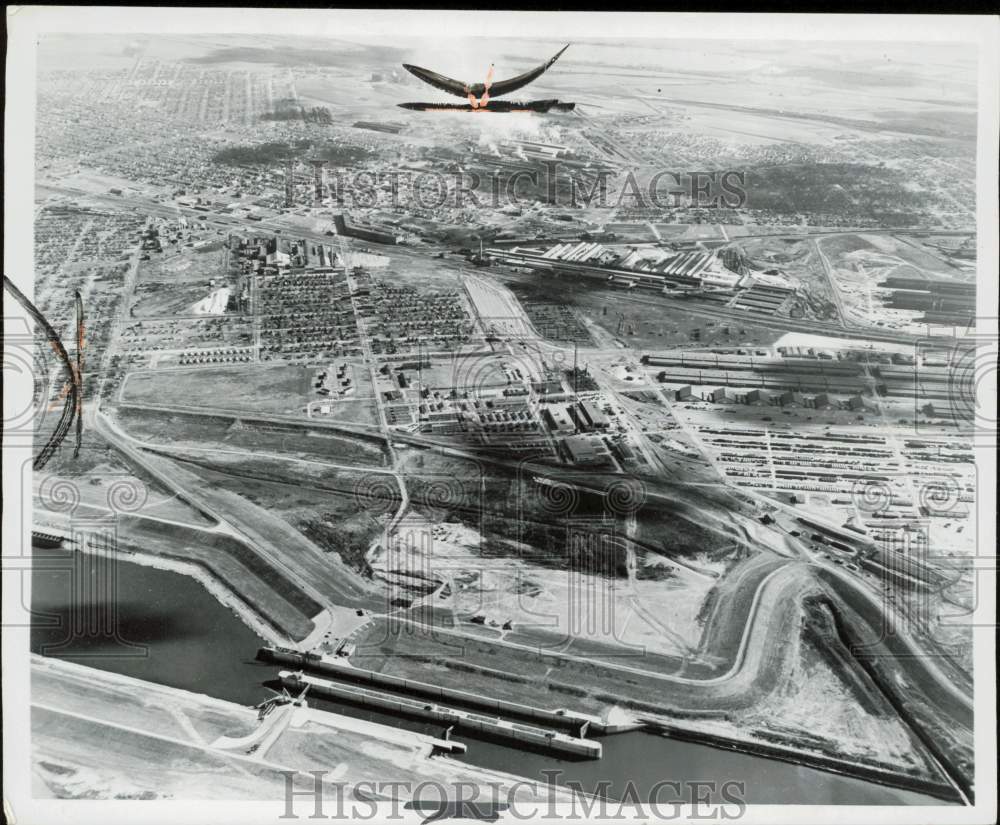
(490, 726)
(341, 669)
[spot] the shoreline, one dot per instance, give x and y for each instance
(217, 588)
(665, 726)
(796, 756)
(418, 749)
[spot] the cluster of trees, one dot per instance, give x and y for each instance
(317, 114)
(340, 154)
(257, 154)
(857, 190)
(336, 154)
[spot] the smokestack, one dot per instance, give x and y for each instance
(575, 392)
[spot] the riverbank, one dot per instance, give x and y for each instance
(274, 624)
(193, 643)
(691, 732)
(712, 729)
(220, 592)
(102, 735)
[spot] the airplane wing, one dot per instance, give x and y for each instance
(438, 81)
(497, 88)
(503, 87)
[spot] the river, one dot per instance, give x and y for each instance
(171, 630)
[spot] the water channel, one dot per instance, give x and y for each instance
(172, 631)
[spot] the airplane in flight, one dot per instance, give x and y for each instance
(481, 96)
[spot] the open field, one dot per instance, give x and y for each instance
(647, 326)
(174, 281)
(113, 492)
(638, 232)
(183, 266)
(229, 494)
(277, 389)
(219, 432)
(335, 511)
(281, 389)
(552, 600)
(152, 300)
(101, 479)
(877, 251)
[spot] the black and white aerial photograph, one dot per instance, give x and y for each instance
(499, 416)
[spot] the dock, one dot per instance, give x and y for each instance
(49, 537)
(490, 726)
(341, 669)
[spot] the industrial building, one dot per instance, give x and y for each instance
(651, 269)
(558, 419)
(791, 399)
(582, 252)
(583, 449)
(363, 233)
(278, 259)
(593, 417)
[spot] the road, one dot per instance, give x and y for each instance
(831, 278)
(345, 590)
(911, 657)
(752, 628)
